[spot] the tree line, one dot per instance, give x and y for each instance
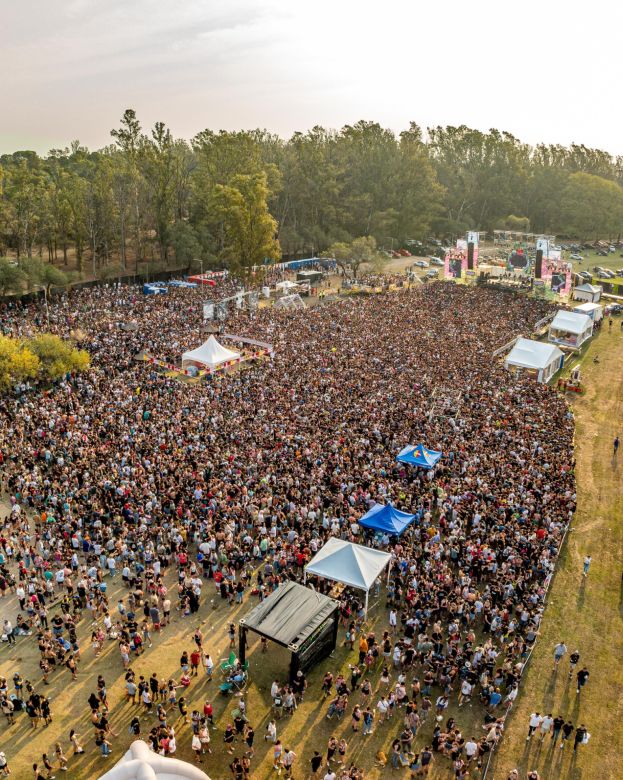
(239, 198)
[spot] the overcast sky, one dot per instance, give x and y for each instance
(541, 69)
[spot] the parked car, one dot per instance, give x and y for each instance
(432, 274)
(616, 308)
(576, 256)
(585, 275)
(436, 261)
(612, 248)
(603, 275)
(602, 253)
(422, 263)
(619, 272)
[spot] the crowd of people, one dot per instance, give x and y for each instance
(124, 478)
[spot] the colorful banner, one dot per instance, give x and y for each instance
(518, 262)
(556, 273)
(455, 263)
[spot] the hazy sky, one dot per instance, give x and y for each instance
(544, 70)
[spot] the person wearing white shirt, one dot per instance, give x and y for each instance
(471, 748)
(546, 725)
(271, 732)
(466, 692)
(559, 651)
(533, 724)
(382, 707)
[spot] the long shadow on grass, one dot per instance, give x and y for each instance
(581, 594)
(548, 697)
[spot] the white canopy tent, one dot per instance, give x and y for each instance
(210, 354)
(141, 763)
(593, 310)
(570, 328)
(348, 563)
(540, 359)
(286, 285)
(587, 292)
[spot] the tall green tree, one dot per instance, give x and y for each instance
(248, 229)
(591, 207)
(130, 140)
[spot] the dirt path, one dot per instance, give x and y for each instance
(587, 614)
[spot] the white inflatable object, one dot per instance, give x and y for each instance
(141, 763)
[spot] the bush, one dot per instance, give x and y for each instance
(57, 357)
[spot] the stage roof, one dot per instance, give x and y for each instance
(290, 614)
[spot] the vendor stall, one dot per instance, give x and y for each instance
(536, 358)
(297, 618)
(570, 329)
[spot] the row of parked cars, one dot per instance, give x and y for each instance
(601, 273)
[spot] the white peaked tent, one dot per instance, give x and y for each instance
(141, 763)
(348, 563)
(210, 354)
(588, 292)
(570, 328)
(540, 359)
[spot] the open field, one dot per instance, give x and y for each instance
(587, 614)
(613, 262)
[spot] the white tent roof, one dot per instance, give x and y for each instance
(141, 763)
(210, 353)
(285, 285)
(352, 564)
(591, 288)
(571, 322)
(532, 354)
(586, 307)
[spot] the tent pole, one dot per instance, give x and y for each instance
(304, 576)
(366, 610)
(389, 571)
(242, 644)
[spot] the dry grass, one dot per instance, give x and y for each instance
(586, 614)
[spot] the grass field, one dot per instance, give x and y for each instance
(585, 613)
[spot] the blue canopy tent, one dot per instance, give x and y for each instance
(385, 517)
(418, 455)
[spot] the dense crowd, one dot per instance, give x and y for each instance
(236, 482)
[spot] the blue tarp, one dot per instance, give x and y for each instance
(153, 289)
(418, 455)
(385, 517)
(323, 262)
